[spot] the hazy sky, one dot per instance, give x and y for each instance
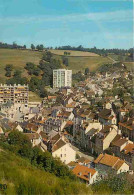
(104, 24)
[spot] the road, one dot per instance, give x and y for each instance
(114, 61)
(82, 154)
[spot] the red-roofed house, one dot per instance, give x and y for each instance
(106, 163)
(85, 174)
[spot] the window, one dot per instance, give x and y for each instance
(61, 155)
(65, 155)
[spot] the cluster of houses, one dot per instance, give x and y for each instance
(100, 125)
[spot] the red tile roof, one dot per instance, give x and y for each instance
(58, 145)
(109, 160)
(83, 172)
(129, 148)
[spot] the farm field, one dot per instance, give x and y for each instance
(73, 53)
(18, 58)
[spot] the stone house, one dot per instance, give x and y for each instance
(61, 149)
(104, 137)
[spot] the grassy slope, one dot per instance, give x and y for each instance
(18, 58)
(79, 60)
(33, 97)
(22, 178)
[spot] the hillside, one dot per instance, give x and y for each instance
(23, 178)
(80, 63)
(18, 58)
(78, 60)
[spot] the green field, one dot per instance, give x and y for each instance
(80, 63)
(18, 58)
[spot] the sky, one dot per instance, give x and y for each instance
(100, 23)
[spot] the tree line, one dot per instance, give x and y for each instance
(14, 45)
(129, 53)
(98, 51)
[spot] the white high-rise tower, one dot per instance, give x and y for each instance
(62, 78)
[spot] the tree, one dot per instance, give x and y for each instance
(14, 45)
(40, 47)
(8, 69)
(24, 46)
(8, 74)
(30, 67)
(43, 92)
(32, 47)
(65, 53)
(65, 61)
(18, 138)
(36, 71)
(113, 184)
(47, 56)
(17, 73)
(34, 84)
(86, 71)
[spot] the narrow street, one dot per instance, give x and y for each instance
(82, 154)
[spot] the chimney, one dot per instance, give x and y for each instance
(81, 122)
(89, 176)
(133, 123)
(80, 173)
(119, 131)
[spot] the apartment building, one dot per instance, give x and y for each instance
(14, 93)
(62, 78)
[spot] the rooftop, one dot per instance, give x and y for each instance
(83, 172)
(109, 160)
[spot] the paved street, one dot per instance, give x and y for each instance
(82, 154)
